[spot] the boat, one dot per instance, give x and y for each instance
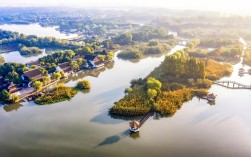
(211, 97)
(134, 126)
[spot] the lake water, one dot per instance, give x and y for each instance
(36, 29)
(17, 58)
(31, 29)
(82, 127)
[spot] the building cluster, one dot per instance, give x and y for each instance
(92, 62)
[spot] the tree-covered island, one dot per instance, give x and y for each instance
(177, 80)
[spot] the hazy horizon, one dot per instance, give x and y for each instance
(229, 6)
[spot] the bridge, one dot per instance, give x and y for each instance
(232, 84)
(145, 117)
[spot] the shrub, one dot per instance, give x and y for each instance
(153, 43)
(57, 94)
(4, 95)
(169, 102)
(200, 92)
(134, 104)
(46, 80)
(14, 98)
(203, 83)
(176, 86)
(130, 54)
(56, 75)
(38, 85)
(128, 90)
(83, 84)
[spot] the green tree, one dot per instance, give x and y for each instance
(44, 71)
(46, 80)
(124, 39)
(110, 55)
(81, 62)
(153, 83)
(107, 43)
(87, 50)
(190, 45)
(101, 57)
(13, 77)
(162, 31)
(14, 97)
(83, 84)
(74, 65)
(152, 93)
(153, 42)
(4, 95)
(38, 85)
(128, 90)
(193, 43)
(56, 75)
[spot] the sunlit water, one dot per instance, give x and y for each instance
(246, 79)
(31, 29)
(82, 127)
(17, 58)
(36, 29)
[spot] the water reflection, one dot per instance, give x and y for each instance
(124, 118)
(137, 60)
(157, 116)
(85, 91)
(134, 135)
(12, 107)
(110, 65)
(92, 72)
(36, 29)
(230, 103)
(211, 103)
(9, 57)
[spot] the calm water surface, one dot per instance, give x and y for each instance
(36, 29)
(31, 29)
(17, 58)
(82, 127)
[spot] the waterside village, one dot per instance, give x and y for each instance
(26, 88)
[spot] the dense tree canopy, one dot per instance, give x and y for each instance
(4, 95)
(12, 71)
(29, 50)
(58, 57)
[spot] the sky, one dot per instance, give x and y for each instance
(240, 6)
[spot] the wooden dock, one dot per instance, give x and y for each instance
(232, 84)
(145, 117)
